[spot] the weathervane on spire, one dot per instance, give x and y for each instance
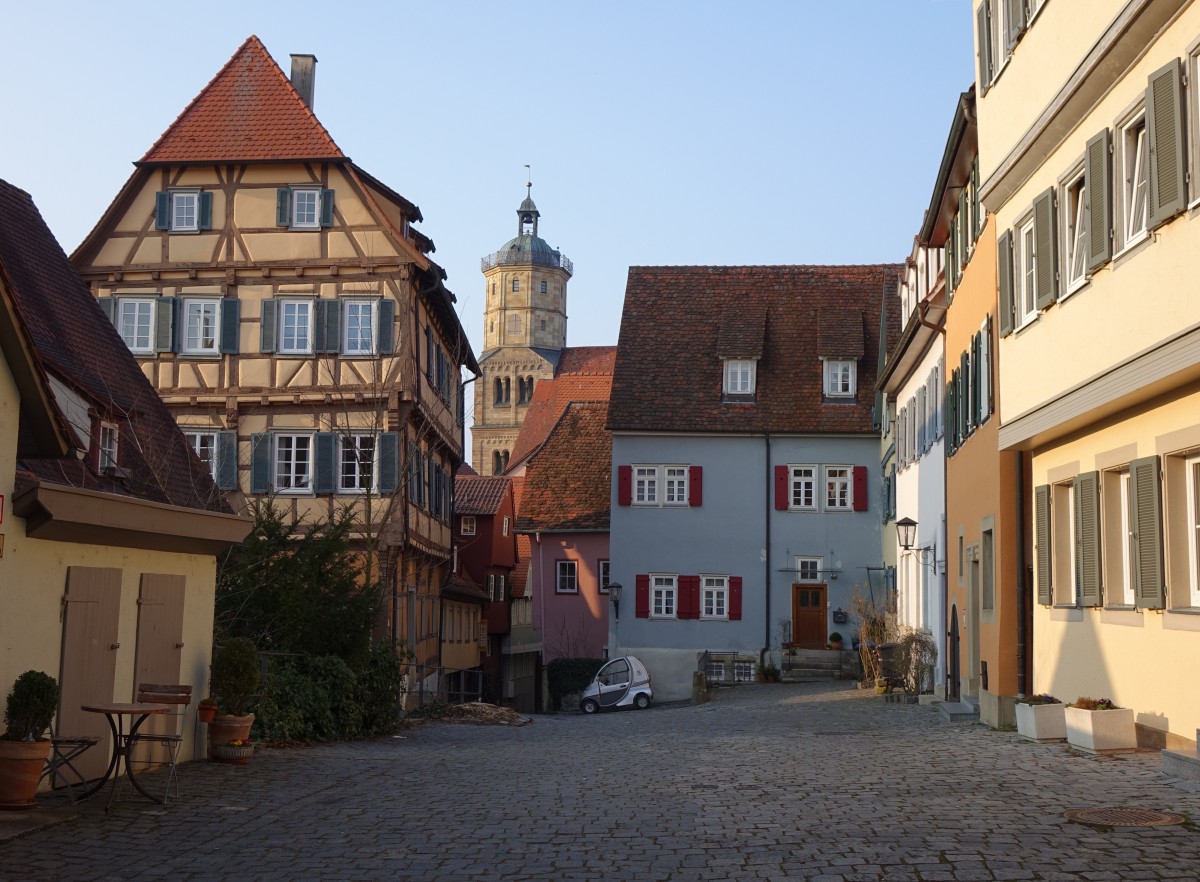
(528, 181)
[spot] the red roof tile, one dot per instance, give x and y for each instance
(550, 399)
(668, 374)
(520, 573)
(248, 112)
(478, 495)
(568, 483)
(587, 360)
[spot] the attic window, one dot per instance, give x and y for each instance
(108, 446)
(841, 378)
(740, 376)
(468, 525)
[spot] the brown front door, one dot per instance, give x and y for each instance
(808, 616)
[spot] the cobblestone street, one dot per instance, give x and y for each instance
(815, 782)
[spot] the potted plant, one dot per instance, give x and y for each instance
(769, 672)
(1041, 718)
(235, 679)
(23, 752)
(206, 710)
(1097, 724)
(835, 641)
(236, 752)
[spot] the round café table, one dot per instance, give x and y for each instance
(116, 713)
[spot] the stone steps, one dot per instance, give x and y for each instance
(958, 711)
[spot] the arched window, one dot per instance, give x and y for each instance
(520, 390)
(505, 461)
(507, 390)
(516, 285)
(497, 463)
(543, 286)
(499, 397)
(529, 388)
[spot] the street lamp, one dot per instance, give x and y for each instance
(614, 594)
(906, 531)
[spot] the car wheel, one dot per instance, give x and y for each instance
(590, 707)
(642, 701)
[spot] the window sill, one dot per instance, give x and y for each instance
(1075, 288)
(1130, 248)
(1184, 610)
(210, 356)
(1119, 607)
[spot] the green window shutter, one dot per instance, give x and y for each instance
(327, 326)
(260, 464)
(1087, 531)
(1041, 541)
(385, 343)
(966, 403)
(976, 378)
(283, 207)
(108, 306)
(1046, 268)
(227, 460)
(389, 461)
(949, 269)
(1146, 496)
(983, 34)
(164, 324)
(1097, 178)
(948, 418)
(1004, 250)
(1164, 133)
(324, 474)
(267, 330)
(987, 367)
(204, 222)
(231, 317)
(327, 208)
(162, 211)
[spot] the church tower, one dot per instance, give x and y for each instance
(524, 335)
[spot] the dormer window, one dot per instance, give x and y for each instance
(108, 446)
(740, 375)
(841, 378)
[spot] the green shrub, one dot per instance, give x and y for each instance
(235, 676)
(567, 675)
(379, 689)
(30, 706)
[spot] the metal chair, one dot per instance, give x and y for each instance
(64, 750)
(171, 740)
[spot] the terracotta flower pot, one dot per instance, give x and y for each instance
(225, 728)
(21, 764)
(206, 712)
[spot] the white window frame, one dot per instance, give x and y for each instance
(808, 570)
(743, 672)
(741, 376)
(357, 339)
(645, 485)
(357, 463)
(205, 445)
(1062, 543)
(566, 573)
(300, 204)
(135, 320)
(1133, 174)
(675, 485)
(604, 569)
(1074, 227)
(714, 597)
(841, 377)
(804, 479)
(1192, 485)
(109, 446)
(467, 527)
(983, 414)
(179, 206)
(287, 475)
(1024, 273)
(504, 527)
(195, 312)
(300, 324)
(839, 490)
(664, 596)
(1116, 538)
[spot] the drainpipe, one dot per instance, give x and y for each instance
(1022, 588)
(769, 484)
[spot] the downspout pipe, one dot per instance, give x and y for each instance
(1022, 588)
(767, 486)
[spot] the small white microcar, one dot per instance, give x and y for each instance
(621, 682)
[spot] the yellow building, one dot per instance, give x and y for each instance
(282, 302)
(1085, 162)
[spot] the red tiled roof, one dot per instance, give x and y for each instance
(587, 360)
(248, 112)
(478, 495)
(520, 573)
(568, 484)
(584, 374)
(465, 469)
(74, 342)
(668, 375)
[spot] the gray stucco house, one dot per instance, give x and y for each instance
(746, 477)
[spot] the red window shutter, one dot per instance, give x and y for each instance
(641, 603)
(781, 488)
(695, 486)
(735, 598)
(689, 597)
(625, 486)
(860, 488)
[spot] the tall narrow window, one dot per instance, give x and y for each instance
(1116, 537)
(1075, 232)
(359, 325)
(675, 481)
(645, 485)
(662, 597)
(108, 446)
(200, 327)
(1136, 180)
(1062, 544)
(136, 324)
(357, 463)
(837, 488)
(715, 600)
(295, 331)
(803, 488)
(567, 581)
(293, 463)
(185, 215)
(1193, 526)
(205, 445)
(1025, 258)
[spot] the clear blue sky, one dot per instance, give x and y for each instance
(676, 132)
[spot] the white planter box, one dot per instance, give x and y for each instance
(1042, 722)
(1101, 729)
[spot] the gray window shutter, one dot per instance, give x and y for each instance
(1146, 496)
(327, 324)
(260, 464)
(283, 207)
(1041, 527)
(231, 315)
(327, 208)
(949, 270)
(164, 324)
(1164, 132)
(388, 447)
(162, 211)
(108, 306)
(385, 343)
(324, 475)
(1004, 249)
(205, 219)
(977, 211)
(267, 332)
(983, 33)
(227, 460)
(1046, 269)
(949, 416)
(966, 403)
(1087, 533)
(1016, 21)
(977, 406)
(987, 367)
(1097, 178)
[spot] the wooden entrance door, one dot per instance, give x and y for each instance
(808, 616)
(159, 653)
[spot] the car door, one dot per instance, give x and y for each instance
(614, 682)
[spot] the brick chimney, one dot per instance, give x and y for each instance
(304, 76)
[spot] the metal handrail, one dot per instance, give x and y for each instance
(523, 258)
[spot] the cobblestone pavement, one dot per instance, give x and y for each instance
(813, 781)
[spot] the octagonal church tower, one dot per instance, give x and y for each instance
(524, 335)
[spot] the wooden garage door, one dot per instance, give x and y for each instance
(91, 613)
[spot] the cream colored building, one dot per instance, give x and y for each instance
(1085, 156)
(282, 302)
